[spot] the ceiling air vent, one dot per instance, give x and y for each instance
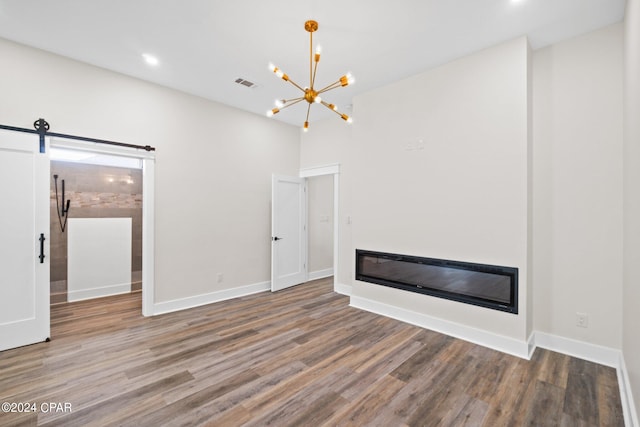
(246, 83)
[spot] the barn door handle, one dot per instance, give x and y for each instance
(42, 239)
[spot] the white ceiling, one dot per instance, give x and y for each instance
(204, 45)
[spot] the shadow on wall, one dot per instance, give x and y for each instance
(95, 191)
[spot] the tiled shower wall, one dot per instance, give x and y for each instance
(95, 192)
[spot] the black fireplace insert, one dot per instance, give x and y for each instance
(483, 285)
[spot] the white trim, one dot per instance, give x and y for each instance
(332, 169)
(210, 298)
(320, 170)
(477, 336)
(626, 396)
(336, 229)
(102, 291)
(148, 236)
(305, 228)
(94, 147)
(531, 344)
(592, 352)
(342, 289)
(320, 274)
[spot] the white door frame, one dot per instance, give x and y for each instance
(148, 203)
(333, 169)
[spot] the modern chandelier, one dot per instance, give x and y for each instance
(310, 94)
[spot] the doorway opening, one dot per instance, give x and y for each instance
(106, 247)
(320, 227)
(332, 171)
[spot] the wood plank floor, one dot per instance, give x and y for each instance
(299, 357)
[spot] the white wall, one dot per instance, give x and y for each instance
(320, 224)
(213, 163)
(461, 194)
(577, 169)
(631, 289)
(574, 188)
(98, 257)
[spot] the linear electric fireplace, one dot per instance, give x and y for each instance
(478, 284)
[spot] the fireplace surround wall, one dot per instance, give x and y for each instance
(490, 286)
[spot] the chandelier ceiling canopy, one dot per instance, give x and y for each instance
(310, 94)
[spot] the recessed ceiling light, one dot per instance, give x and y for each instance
(150, 59)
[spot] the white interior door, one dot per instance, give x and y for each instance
(288, 232)
(24, 274)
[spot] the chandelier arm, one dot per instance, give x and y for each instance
(293, 103)
(308, 110)
(326, 104)
(343, 116)
(313, 79)
(311, 59)
(333, 85)
(285, 101)
(295, 84)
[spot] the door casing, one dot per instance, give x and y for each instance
(148, 203)
(332, 169)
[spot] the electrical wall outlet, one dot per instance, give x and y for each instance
(220, 277)
(582, 320)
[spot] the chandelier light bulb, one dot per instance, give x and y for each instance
(306, 127)
(279, 103)
(317, 99)
(269, 113)
(272, 67)
(350, 79)
(350, 120)
(279, 72)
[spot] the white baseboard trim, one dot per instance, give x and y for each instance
(210, 298)
(320, 274)
(103, 291)
(531, 345)
(626, 396)
(342, 289)
(580, 349)
(467, 333)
